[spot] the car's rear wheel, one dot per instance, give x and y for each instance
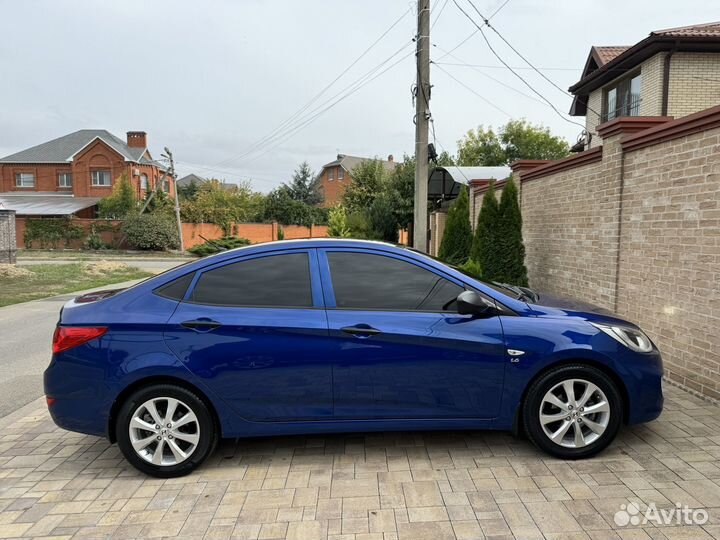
(165, 430)
(573, 412)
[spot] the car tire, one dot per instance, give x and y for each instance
(165, 430)
(578, 426)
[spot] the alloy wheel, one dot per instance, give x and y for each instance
(574, 413)
(164, 431)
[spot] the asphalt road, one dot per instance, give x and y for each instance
(26, 334)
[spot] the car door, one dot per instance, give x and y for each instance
(400, 350)
(254, 330)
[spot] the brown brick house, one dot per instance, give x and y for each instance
(70, 174)
(336, 175)
(671, 73)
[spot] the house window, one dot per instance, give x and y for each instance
(331, 174)
(24, 180)
(65, 180)
(623, 99)
(101, 178)
(143, 182)
(341, 173)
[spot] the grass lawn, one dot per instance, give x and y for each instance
(20, 284)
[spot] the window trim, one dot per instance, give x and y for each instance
(615, 85)
(65, 173)
(329, 288)
(331, 174)
(20, 173)
(92, 178)
(341, 173)
(315, 285)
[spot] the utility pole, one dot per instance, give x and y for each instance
(422, 117)
(171, 170)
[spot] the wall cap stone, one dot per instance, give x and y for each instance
(680, 127)
(571, 162)
(630, 124)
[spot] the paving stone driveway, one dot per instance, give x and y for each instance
(406, 486)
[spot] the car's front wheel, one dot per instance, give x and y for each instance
(573, 411)
(165, 430)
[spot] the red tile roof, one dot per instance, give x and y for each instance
(605, 54)
(697, 30)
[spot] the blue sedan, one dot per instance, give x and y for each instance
(319, 336)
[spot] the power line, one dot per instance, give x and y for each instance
(470, 89)
(487, 66)
(309, 120)
(491, 27)
(511, 69)
(509, 87)
(442, 8)
(317, 96)
(282, 135)
(505, 3)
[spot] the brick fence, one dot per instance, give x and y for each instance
(634, 226)
(109, 232)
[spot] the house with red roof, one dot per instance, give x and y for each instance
(673, 73)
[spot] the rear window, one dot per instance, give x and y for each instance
(176, 289)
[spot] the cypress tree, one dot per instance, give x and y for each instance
(512, 253)
(457, 238)
(485, 249)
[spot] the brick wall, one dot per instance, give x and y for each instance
(255, 232)
(333, 189)
(693, 82)
(651, 87)
(636, 229)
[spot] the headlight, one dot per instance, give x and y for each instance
(632, 338)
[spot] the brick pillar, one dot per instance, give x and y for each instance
(8, 242)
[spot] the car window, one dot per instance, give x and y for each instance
(367, 281)
(272, 281)
(176, 289)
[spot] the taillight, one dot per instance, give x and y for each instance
(67, 337)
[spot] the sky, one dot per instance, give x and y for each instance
(219, 82)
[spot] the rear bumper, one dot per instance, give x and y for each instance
(80, 400)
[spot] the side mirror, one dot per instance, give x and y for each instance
(473, 303)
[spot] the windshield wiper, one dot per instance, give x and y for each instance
(520, 292)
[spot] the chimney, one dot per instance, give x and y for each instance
(137, 139)
(390, 158)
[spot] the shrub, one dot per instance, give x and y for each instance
(50, 232)
(512, 250)
(121, 202)
(457, 238)
(93, 240)
(154, 232)
(338, 222)
(486, 246)
(472, 268)
(280, 234)
(216, 246)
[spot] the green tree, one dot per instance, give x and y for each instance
(188, 191)
(280, 206)
(305, 187)
(457, 238)
(480, 147)
(121, 202)
(512, 250)
(485, 247)
(518, 139)
(369, 179)
(215, 204)
(400, 190)
(383, 220)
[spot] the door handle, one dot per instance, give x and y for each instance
(362, 330)
(201, 325)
